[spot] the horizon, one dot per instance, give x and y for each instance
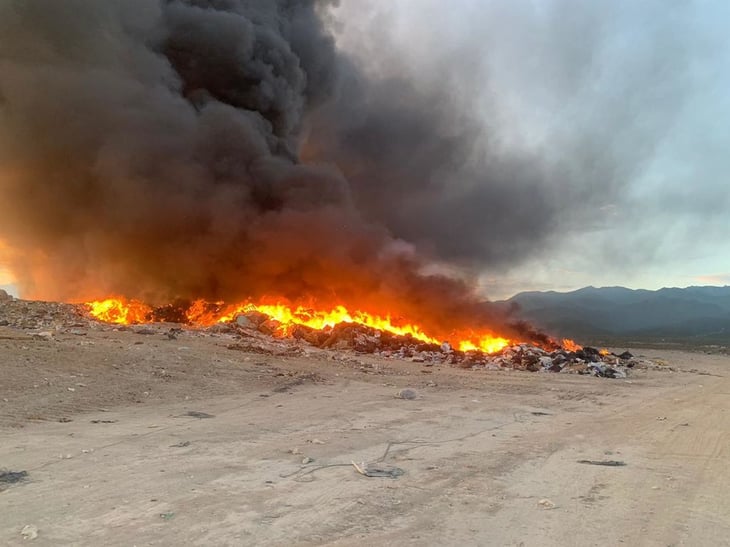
(12, 290)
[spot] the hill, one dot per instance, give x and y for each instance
(694, 315)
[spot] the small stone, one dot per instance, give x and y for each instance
(546, 504)
(29, 531)
(306, 460)
(407, 393)
(245, 322)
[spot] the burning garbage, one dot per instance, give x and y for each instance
(280, 330)
(360, 332)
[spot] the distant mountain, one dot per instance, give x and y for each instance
(699, 313)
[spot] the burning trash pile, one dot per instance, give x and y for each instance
(565, 356)
(359, 332)
(280, 330)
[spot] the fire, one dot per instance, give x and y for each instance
(485, 343)
(604, 351)
(570, 345)
(202, 313)
(120, 311)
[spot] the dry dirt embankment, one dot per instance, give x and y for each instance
(149, 440)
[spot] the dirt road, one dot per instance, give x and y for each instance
(140, 440)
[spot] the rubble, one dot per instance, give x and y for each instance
(360, 339)
(42, 316)
(256, 332)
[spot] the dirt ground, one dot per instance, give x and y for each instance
(139, 439)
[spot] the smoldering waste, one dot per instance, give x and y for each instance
(256, 332)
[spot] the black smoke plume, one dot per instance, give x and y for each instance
(196, 148)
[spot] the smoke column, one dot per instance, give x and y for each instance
(196, 148)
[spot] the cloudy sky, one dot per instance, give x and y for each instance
(642, 88)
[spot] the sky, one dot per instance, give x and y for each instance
(540, 144)
(645, 84)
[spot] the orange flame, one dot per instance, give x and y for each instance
(570, 345)
(120, 311)
(202, 313)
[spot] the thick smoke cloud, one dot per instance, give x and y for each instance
(228, 149)
(150, 149)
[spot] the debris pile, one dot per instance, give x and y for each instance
(28, 314)
(257, 332)
(366, 340)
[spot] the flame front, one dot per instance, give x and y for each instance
(120, 311)
(570, 345)
(202, 313)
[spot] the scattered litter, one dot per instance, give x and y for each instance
(196, 414)
(606, 463)
(661, 418)
(103, 421)
(12, 477)
(167, 516)
(538, 413)
(546, 504)
(65, 420)
(315, 441)
(181, 444)
(407, 393)
(373, 470)
(29, 531)
(307, 460)
(295, 451)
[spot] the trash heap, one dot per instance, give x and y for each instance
(366, 340)
(268, 335)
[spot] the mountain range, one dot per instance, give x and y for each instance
(691, 315)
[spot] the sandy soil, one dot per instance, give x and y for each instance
(100, 421)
